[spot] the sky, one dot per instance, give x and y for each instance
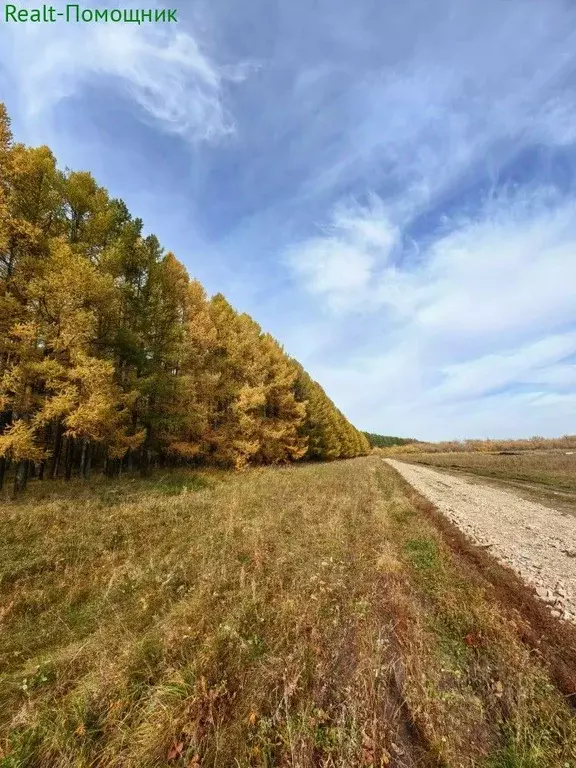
(388, 188)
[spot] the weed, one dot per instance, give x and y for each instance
(301, 616)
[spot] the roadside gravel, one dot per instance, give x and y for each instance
(536, 541)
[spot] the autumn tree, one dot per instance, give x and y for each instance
(282, 415)
(112, 359)
(238, 397)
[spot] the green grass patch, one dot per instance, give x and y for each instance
(422, 554)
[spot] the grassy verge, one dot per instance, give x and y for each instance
(468, 674)
(553, 469)
(284, 617)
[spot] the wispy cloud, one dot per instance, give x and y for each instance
(469, 96)
(462, 320)
(339, 264)
(537, 363)
(487, 306)
(161, 67)
(398, 204)
(462, 280)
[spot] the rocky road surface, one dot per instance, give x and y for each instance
(536, 541)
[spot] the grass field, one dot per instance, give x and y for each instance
(306, 616)
(554, 469)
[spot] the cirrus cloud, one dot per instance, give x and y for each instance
(162, 67)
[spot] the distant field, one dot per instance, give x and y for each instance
(305, 616)
(550, 468)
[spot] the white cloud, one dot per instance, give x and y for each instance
(512, 266)
(339, 264)
(466, 97)
(559, 377)
(536, 362)
(162, 67)
(511, 271)
(396, 396)
(420, 107)
(475, 333)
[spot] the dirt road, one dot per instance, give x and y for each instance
(536, 541)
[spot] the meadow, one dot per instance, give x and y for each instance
(551, 469)
(302, 616)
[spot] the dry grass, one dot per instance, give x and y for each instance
(553, 469)
(565, 443)
(308, 616)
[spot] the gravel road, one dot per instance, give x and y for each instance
(536, 541)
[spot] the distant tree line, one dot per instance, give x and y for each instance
(536, 443)
(113, 359)
(386, 441)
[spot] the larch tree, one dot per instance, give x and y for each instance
(238, 397)
(196, 383)
(282, 416)
(111, 358)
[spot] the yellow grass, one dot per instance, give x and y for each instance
(565, 443)
(555, 469)
(307, 616)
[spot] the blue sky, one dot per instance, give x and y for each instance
(389, 188)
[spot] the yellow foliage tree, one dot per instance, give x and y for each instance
(110, 356)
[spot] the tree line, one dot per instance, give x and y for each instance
(386, 441)
(535, 443)
(112, 359)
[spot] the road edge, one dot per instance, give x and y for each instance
(553, 640)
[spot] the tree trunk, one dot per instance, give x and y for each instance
(57, 452)
(83, 458)
(2, 470)
(88, 465)
(145, 464)
(69, 457)
(48, 431)
(20, 478)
